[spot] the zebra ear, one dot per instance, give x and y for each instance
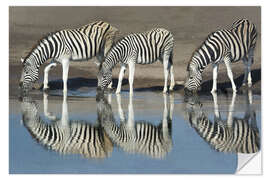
(22, 60)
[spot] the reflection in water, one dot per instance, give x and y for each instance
(237, 135)
(62, 135)
(139, 137)
(96, 141)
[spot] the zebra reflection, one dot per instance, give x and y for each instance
(236, 135)
(139, 137)
(62, 135)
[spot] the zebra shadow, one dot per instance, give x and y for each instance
(225, 86)
(158, 88)
(78, 82)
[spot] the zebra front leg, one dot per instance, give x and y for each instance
(65, 66)
(121, 75)
(229, 73)
(131, 76)
(215, 75)
(46, 75)
(166, 72)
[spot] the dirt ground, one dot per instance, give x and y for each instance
(189, 25)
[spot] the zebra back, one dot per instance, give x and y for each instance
(143, 48)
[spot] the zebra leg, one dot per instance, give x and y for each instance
(215, 75)
(172, 78)
(245, 61)
(131, 76)
(229, 73)
(45, 104)
(46, 74)
(250, 62)
(166, 72)
(121, 75)
(65, 66)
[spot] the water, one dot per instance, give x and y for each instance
(176, 145)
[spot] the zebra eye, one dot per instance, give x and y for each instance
(191, 77)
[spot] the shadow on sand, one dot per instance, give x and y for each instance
(225, 87)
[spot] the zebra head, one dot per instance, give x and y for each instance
(193, 81)
(104, 78)
(29, 75)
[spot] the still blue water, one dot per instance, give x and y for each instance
(190, 153)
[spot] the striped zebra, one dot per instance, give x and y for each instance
(238, 135)
(64, 137)
(228, 46)
(86, 42)
(138, 137)
(142, 48)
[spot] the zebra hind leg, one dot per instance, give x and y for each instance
(215, 75)
(250, 62)
(172, 78)
(131, 76)
(65, 66)
(166, 72)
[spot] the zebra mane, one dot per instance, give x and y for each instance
(38, 42)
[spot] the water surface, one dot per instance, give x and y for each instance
(159, 133)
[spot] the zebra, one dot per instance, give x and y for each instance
(141, 48)
(238, 135)
(86, 42)
(64, 136)
(225, 45)
(138, 137)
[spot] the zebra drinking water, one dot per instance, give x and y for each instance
(86, 42)
(141, 48)
(226, 45)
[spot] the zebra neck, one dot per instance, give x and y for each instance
(109, 65)
(198, 63)
(39, 55)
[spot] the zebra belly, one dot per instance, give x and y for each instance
(143, 61)
(78, 59)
